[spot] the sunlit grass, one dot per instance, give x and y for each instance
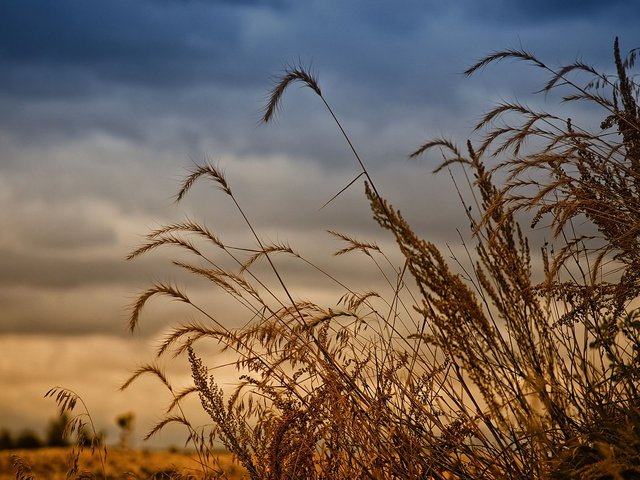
(457, 367)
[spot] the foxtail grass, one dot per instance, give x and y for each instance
(464, 368)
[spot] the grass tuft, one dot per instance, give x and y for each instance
(462, 368)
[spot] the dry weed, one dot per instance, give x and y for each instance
(485, 374)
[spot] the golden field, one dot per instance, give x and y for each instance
(53, 464)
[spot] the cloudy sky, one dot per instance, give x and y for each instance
(105, 105)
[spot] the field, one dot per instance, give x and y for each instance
(53, 463)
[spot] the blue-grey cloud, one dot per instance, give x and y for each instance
(172, 79)
(133, 42)
(527, 12)
(121, 67)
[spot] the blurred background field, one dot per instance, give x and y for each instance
(53, 463)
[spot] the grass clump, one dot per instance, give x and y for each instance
(460, 368)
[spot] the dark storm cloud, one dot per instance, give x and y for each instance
(275, 4)
(527, 12)
(69, 45)
(72, 47)
(132, 42)
(170, 79)
(71, 67)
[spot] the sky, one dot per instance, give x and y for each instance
(106, 105)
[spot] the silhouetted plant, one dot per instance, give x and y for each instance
(125, 423)
(486, 373)
(79, 425)
(27, 439)
(6, 439)
(56, 432)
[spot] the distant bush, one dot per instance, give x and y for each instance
(6, 439)
(25, 439)
(28, 439)
(55, 436)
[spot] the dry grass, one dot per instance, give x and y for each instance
(464, 368)
(480, 374)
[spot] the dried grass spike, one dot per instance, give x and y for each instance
(291, 74)
(503, 55)
(22, 468)
(354, 244)
(150, 369)
(156, 289)
(204, 170)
